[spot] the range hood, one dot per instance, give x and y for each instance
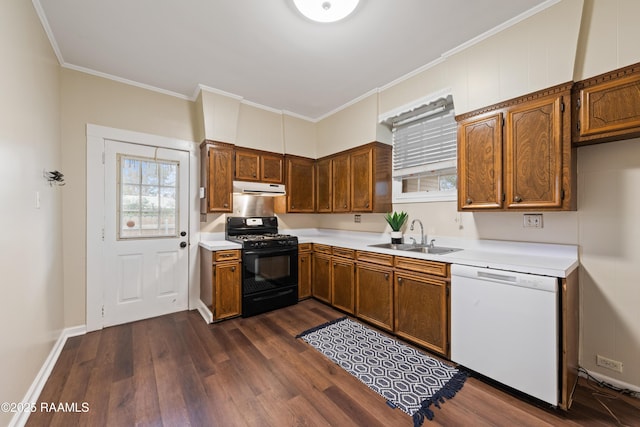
(258, 188)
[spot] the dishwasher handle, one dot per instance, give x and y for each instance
(482, 274)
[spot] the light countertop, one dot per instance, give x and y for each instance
(533, 258)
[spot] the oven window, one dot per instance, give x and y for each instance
(270, 269)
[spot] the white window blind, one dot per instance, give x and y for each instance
(425, 140)
(425, 152)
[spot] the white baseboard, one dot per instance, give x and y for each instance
(204, 311)
(20, 418)
(612, 381)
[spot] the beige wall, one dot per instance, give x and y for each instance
(608, 204)
(219, 116)
(32, 306)
(299, 136)
(355, 125)
(89, 99)
(259, 128)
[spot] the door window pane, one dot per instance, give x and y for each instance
(147, 196)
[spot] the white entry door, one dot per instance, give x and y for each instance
(146, 256)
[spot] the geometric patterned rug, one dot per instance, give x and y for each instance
(407, 378)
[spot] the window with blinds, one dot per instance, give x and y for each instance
(425, 153)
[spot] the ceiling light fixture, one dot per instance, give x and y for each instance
(326, 10)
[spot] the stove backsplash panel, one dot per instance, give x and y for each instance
(249, 205)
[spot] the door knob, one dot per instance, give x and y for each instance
(183, 244)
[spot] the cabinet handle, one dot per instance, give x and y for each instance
(400, 280)
(345, 206)
(469, 201)
(233, 269)
(254, 175)
(367, 205)
(386, 276)
(517, 199)
(226, 205)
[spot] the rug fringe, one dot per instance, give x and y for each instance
(447, 392)
(315, 328)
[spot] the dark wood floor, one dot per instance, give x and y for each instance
(176, 370)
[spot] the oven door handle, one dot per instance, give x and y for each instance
(270, 251)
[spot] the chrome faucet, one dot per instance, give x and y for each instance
(422, 238)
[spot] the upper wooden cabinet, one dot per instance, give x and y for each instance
(480, 162)
(356, 180)
(517, 155)
(216, 176)
(533, 154)
(261, 166)
(300, 184)
(607, 107)
(341, 184)
(324, 180)
(371, 178)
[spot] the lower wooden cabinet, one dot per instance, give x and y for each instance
(405, 296)
(374, 294)
(321, 287)
(221, 282)
(342, 284)
(421, 306)
(227, 277)
(304, 270)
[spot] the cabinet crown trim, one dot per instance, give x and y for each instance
(553, 90)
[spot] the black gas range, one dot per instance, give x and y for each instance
(269, 263)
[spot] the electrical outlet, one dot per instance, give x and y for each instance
(357, 218)
(605, 362)
(532, 221)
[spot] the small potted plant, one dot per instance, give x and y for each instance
(396, 221)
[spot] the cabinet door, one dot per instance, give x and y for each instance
(271, 168)
(342, 284)
(611, 107)
(227, 277)
(374, 295)
(324, 194)
(304, 275)
(341, 183)
(362, 180)
(421, 310)
(300, 185)
(219, 182)
(247, 166)
(321, 286)
(533, 154)
(480, 163)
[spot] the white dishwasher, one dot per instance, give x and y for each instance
(504, 325)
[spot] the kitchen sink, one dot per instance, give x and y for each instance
(396, 246)
(411, 247)
(435, 250)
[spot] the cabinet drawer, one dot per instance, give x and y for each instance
(304, 247)
(376, 258)
(323, 249)
(423, 266)
(344, 252)
(226, 255)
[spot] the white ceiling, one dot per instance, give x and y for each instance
(263, 50)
